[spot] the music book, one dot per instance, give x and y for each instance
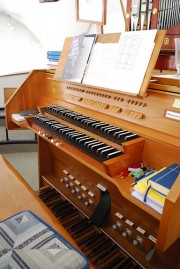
(164, 179)
(149, 197)
(53, 58)
(78, 57)
(53, 53)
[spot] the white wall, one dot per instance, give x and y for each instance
(29, 28)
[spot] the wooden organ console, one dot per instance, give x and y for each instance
(86, 137)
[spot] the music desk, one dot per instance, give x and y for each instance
(16, 196)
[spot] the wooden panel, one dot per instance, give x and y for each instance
(8, 92)
(169, 229)
(16, 195)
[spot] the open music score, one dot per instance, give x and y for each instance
(124, 66)
(115, 66)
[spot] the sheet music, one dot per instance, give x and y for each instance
(121, 66)
(100, 62)
(78, 58)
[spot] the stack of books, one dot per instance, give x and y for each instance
(153, 189)
(53, 58)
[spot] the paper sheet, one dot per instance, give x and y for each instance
(121, 66)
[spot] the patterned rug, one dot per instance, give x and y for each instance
(26, 242)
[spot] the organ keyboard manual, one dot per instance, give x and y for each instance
(87, 136)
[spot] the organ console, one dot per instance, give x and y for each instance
(87, 136)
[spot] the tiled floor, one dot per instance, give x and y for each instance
(23, 157)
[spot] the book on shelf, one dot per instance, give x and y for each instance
(163, 180)
(148, 196)
(53, 58)
(52, 65)
(53, 53)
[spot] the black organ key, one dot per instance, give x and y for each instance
(85, 139)
(98, 249)
(100, 149)
(71, 115)
(129, 137)
(62, 110)
(66, 130)
(114, 154)
(112, 130)
(116, 134)
(79, 118)
(41, 118)
(57, 127)
(96, 145)
(78, 225)
(91, 122)
(123, 134)
(59, 130)
(84, 120)
(49, 123)
(88, 121)
(87, 143)
(93, 142)
(66, 222)
(81, 137)
(56, 109)
(107, 151)
(71, 132)
(106, 128)
(86, 237)
(51, 107)
(74, 135)
(93, 241)
(98, 125)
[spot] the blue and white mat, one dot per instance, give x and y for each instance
(27, 242)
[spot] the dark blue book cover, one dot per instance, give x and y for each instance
(164, 180)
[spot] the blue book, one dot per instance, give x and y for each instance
(53, 58)
(53, 52)
(164, 179)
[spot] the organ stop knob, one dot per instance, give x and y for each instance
(126, 233)
(138, 241)
(117, 226)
